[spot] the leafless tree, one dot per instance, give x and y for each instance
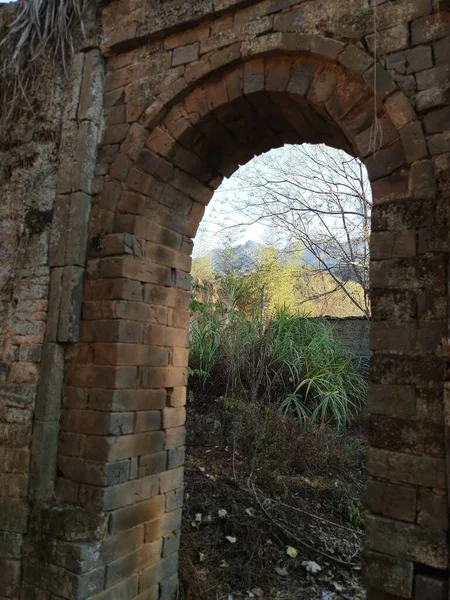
(319, 199)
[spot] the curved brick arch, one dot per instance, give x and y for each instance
(192, 90)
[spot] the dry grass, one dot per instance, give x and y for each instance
(41, 31)
(280, 486)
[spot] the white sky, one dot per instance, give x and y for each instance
(218, 215)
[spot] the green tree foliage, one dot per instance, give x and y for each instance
(275, 279)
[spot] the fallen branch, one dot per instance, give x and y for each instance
(296, 538)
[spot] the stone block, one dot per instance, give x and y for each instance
(70, 304)
(43, 459)
(136, 514)
(152, 464)
(408, 542)
(407, 468)
(388, 574)
(419, 59)
(431, 587)
(439, 143)
(9, 571)
(84, 161)
(68, 523)
(302, 75)
(441, 50)
(144, 556)
(121, 447)
(17, 396)
(176, 457)
(159, 377)
(126, 400)
(174, 417)
(117, 546)
(162, 570)
(49, 391)
(432, 510)
(430, 28)
(56, 278)
(10, 545)
(168, 587)
(147, 421)
(393, 244)
(57, 580)
(94, 473)
(125, 589)
(175, 437)
(423, 180)
(385, 161)
(396, 400)
(91, 97)
(389, 40)
(393, 501)
(397, 434)
(171, 543)
(77, 231)
(433, 98)
(174, 499)
(171, 480)
(379, 81)
(60, 223)
(130, 492)
(413, 141)
(185, 54)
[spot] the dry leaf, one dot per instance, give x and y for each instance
(291, 552)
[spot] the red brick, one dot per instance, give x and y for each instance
(171, 480)
(131, 516)
(125, 446)
(185, 54)
(174, 417)
(127, 400)
(101, 376)
(159, 335)
(157, 377)
(130, 354)
(176, 396)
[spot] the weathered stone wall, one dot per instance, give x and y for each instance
(190, 91)
(29, 144)
(352, 333)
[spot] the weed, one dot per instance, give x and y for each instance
(291, 362)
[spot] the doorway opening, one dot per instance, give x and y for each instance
(277, 385)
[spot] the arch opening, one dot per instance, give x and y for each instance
(134, 335)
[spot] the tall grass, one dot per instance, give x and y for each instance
(291, 361)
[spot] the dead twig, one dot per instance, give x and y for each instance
(304, 512)
(294, 537)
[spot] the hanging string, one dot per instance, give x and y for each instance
(376, 132)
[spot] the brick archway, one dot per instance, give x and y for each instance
(189, 94)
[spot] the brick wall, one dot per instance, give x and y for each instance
(168, 100)
(29, 143)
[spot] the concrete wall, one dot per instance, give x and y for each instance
(169, 99)
(353, 333)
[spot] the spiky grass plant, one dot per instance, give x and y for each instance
(293, 362)
(42, 30)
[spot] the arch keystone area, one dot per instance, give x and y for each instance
(167, 100)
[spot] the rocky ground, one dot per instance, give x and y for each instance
(265, 519)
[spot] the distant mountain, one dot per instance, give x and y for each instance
(245, 257)
(239, 258)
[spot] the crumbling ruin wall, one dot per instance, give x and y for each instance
(171, 98)
(29, 147)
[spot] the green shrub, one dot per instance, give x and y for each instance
(291, 361)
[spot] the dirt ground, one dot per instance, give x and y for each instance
(275, 515)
